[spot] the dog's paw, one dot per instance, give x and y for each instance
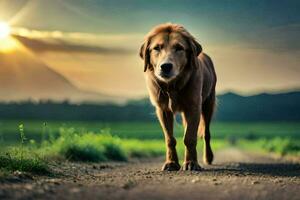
(191, 166)
(171, 166)
(208, 157)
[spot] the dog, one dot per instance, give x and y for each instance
(180, 78)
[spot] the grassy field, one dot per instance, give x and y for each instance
(9, 130)
(30, 145)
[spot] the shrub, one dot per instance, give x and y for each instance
(86, 147)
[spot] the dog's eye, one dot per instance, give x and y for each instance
(157, 48)
(179, 48)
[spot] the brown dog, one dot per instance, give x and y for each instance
(180, 78)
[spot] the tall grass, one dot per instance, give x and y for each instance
(27, 162)
(97, 147)
(22, 158)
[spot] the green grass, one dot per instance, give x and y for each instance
(97, 147)
(38, 130)
(27, 145)
(136, 148)
(84, 147)
(23, 160)
(277, 145)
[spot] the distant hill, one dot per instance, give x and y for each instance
(24, 76)
(261, 107)
(231, 107)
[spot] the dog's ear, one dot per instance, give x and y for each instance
(196, 47)
(145, 54)
(195, 50)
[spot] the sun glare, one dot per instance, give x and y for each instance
(4, 30)
(7, 43)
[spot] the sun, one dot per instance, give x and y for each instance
(7, 42)
(4, 30)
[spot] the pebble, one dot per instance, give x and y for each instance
(22, 175)
(278, 181)
(195, 180)
(28, 186)
(217, 183)
(128, 185)
(255, 182)
(54, 181)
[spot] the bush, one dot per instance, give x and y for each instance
(85, 147)
(282, 146)
(83, 153)
(278, 145)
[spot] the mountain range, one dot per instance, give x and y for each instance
(261, 107)
(23, 76)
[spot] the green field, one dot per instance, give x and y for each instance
(9, 131)
(25, 145)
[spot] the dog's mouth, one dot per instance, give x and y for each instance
(165, 75)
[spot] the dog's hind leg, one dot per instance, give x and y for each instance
(207, 112)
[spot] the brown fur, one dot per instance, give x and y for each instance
(190, 90)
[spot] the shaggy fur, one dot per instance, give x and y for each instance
(188, 88)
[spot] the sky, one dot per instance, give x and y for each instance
(94, 44)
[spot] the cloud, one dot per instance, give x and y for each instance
(42, 41)
(280, 38)
(39, 45)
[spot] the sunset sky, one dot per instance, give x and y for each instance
(94, 43)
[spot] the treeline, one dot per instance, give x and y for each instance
(48, 110)
(231, 107)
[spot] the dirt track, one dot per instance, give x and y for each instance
(235, 175)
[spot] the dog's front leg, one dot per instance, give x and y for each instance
(191, 120)
(166, 119)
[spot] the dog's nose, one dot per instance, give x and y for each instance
(166, 67)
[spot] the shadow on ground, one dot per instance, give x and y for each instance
(269, 169)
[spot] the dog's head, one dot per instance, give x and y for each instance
(168, 49)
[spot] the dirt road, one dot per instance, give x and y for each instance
(235, 175)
